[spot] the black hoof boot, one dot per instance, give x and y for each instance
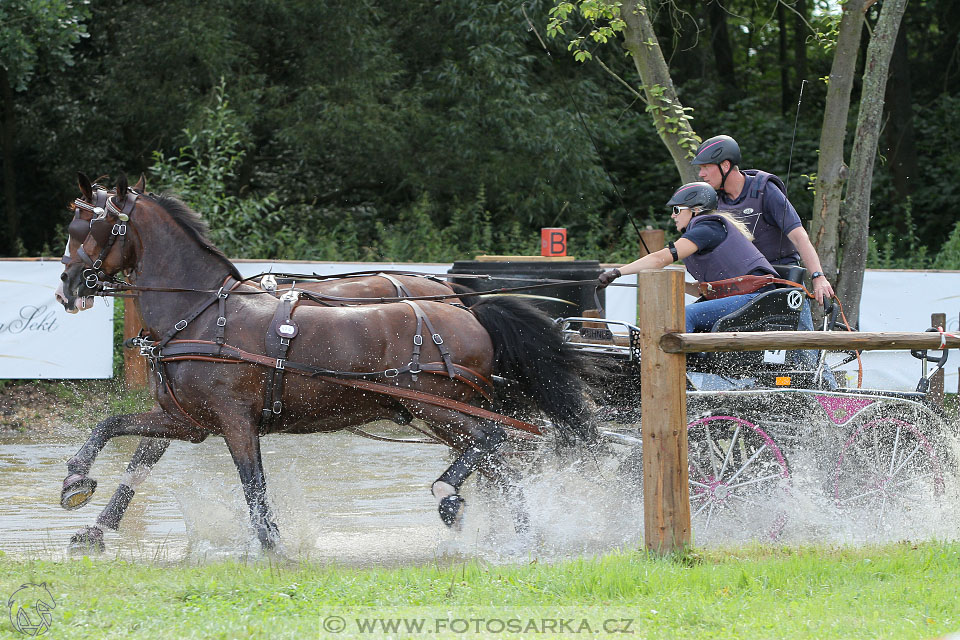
(88, 540)
(77, 491)
(450, 509)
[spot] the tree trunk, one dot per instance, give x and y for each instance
(899, 133)
(9, 177)
(722, 54)
(662, 102)
(857, 204)
(831, 170)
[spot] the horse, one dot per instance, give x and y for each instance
(349, 289)
(208, 334)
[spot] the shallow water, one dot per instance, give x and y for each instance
(345, 499)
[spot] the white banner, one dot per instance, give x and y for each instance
(38, 339)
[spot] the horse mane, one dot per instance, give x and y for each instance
(194, 224)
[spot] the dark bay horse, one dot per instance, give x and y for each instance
(355, 289)
(209, 337)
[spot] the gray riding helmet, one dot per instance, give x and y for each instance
(695, 194)
(717, 149)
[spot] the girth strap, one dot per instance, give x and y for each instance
(281, 331)
(422, 319)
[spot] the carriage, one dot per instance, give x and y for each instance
(759, 419)
(239, 360)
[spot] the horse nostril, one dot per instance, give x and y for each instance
(63, 276)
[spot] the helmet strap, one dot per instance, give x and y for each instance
(723, 176)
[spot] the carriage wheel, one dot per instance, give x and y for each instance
(737, 473)
(886, 465)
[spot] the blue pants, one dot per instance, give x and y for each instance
(701, 316)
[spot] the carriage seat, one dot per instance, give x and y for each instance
(791, 272)
(776, 310)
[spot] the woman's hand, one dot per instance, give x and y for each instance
(607, 277)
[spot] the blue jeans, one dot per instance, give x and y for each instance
(701, 316)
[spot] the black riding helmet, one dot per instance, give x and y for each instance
(717, 149)
(695, 194)
(714, 151)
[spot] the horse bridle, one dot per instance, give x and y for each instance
(104, 209)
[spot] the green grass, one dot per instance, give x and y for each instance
(896, 591)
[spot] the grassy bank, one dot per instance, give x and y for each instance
(898, 591)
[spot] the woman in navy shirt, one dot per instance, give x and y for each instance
(713, 246)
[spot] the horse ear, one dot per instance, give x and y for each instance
(122, 187)
(141, 185)
(85, 187)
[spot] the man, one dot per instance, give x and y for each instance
(759, 200)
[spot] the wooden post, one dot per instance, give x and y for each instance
(654, 239)
(936, 381)
(135, 369)
(666, 495)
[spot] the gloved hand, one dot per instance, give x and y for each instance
(607, 277)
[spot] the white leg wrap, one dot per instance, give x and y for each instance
(135, 478)
(441, 490)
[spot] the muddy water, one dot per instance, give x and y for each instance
(341, 498)
(336, 497)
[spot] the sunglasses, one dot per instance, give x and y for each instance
(677, 210)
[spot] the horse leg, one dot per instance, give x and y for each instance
(156, 428)
(78, 488)
(148, 452)
(477, 441)
(244, 446)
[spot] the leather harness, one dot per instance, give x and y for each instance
(282, 330)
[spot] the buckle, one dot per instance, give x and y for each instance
(281, 364)
(180, 326)
(119, 229)
(437, 339)
(418, 339)
(284, 342)
(391, 373)
(221, 321)
(222, 294)
(277, 407)
(96, 264)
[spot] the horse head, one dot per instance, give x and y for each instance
(92, 254)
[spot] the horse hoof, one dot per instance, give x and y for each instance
(77, 491)
(87, 540)
(450, 509)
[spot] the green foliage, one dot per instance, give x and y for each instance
(904, 251)
(36, 34)
(949, 255)
(201, 171)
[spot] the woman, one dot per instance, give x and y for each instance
(713, 246)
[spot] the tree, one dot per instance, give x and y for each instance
(856, 218)
(670, 117)
(832, 170)
(33, 34)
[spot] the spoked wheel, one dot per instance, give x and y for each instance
(738, 476)
(888, 465)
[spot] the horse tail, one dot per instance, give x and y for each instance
(467, 295)
(529, 349)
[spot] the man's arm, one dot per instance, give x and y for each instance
(821, 286)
